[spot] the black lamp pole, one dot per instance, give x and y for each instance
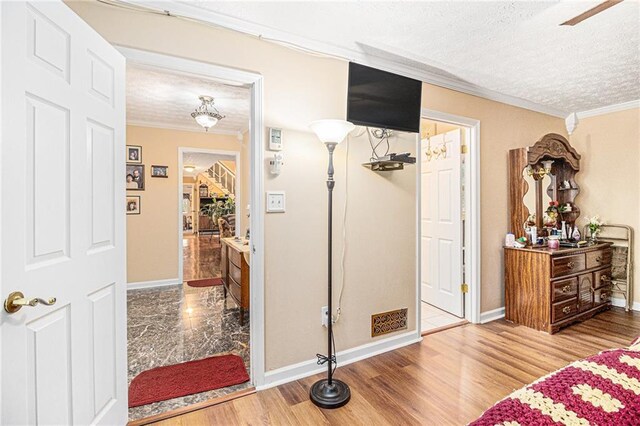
(330, 393)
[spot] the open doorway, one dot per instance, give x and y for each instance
(444, 228)
(188, 337)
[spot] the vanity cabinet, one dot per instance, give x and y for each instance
(549, 289)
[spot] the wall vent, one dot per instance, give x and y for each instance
(388, 322)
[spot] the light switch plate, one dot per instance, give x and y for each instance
(275, 201)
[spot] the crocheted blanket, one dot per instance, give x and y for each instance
(600, 390)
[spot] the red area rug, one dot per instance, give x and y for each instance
(187, 378)
(207, 282)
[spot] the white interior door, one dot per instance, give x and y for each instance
(441, 223)
(62, 219)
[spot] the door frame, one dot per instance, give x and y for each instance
(192, 186)
(181, 151)
(256, 222)
(472, 214)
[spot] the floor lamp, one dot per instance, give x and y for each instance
(329, 392)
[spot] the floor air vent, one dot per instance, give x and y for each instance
(388, 322)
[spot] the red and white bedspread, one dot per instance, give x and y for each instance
(600, 390)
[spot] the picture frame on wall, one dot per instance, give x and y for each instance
(135, 177)
(133, 204)
(160, 171)
(134, 154)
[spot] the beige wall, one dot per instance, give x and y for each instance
(609, 175)
(152, 236)
(380, 254)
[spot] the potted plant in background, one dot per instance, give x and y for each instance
(220, 210)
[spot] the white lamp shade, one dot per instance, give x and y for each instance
(331, 131)
(206, 121)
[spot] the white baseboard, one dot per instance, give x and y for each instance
(150, 284)
(310, 367)
(489, 316)
(618, 301)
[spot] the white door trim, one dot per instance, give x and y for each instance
(181, 151)
(472, 213)
(255, 81)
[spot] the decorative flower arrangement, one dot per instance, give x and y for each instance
(594, 224)
(554, 211)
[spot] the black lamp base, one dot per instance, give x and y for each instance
(334, 396)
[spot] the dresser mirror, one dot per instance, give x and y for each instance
(542, 186)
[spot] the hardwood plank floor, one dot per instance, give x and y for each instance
(449, 378)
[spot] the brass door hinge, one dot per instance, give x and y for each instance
(463, 149)
(465, 287)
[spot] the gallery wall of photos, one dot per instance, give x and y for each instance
(136, 177)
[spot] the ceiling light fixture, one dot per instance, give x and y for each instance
(189, 169)
(206, 114)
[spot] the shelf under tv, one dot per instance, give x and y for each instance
(392, 162)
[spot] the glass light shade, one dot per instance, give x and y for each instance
(331, 131)
(206, 120)
(547, 165)
(189, 169)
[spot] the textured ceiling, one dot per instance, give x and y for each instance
(202, 161)
(515, 48)
(160, 98)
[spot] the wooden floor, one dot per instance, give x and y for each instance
(201, 257)
(449, 378)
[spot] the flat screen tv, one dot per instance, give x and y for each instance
(381, 99)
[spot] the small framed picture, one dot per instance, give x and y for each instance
(159, 171)
(135, 177)
(133, 204)
(134, 154)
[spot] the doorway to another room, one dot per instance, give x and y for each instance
(188, 331)
(443, 238)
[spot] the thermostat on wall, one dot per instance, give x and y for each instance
(275, 139)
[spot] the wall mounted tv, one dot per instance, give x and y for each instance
(381, 99)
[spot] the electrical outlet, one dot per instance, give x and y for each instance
(324, 312)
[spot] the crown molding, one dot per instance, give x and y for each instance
(156, 125)
(609, 109)
(286, 39)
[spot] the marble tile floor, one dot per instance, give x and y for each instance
(201, 257)
(173, 324)
(432, 318)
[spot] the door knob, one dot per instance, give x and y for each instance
(16, 301)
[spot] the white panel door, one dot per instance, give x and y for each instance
(61, 219)
(442, 224)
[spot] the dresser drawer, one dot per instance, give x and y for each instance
(236, 291)
(602, 295)
(567, 265)
(599, 258)
(235, 273)
(234, 257)
(602, 278)
(565, 289)
(562, 310)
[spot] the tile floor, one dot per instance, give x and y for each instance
(433, 318)
(174, 324)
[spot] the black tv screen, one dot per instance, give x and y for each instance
(381, 99)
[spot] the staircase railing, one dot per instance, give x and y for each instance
(223, 177)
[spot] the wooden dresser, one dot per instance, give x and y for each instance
(235, 272)
(549, 289)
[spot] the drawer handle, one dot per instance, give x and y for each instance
(571, 264)
(605, 278)
(566, 309)
(566, 288)
(604, 296)
(599, 259)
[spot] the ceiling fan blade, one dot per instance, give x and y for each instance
(593, 11)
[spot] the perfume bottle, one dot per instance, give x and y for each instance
(576, 233)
